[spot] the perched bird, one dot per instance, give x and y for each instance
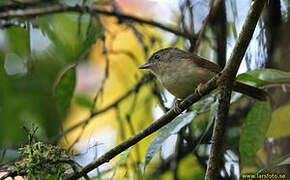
(181, 72)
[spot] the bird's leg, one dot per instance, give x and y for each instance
(176, 107)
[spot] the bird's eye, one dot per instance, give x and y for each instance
(156, 56)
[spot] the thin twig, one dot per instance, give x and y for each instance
(32, 12)
(106, 74)
(145, 79)
(203, 27)
(135, 31)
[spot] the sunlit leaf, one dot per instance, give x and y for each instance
(123, 156)
(172, 128)
(280, 123)
(254, 130)
(64, 89)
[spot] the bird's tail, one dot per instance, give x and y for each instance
(251, 91)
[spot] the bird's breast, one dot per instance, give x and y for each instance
(182, 81)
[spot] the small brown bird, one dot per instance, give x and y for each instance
(181, 72)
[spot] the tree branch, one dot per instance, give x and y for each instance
(227, 78)
(85, 9)
(165, 119)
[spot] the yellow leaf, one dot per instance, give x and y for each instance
(280, 124)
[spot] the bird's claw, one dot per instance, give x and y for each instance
(198, 89)
(176, 107)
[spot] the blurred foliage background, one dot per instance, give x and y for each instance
(73, 76)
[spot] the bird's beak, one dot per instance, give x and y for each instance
(145, 66)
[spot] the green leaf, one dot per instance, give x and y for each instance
(171, 128)
(249, 78)
(64, 89)
(123, 156)
(280, 123)
(261, 76)
(254, 130)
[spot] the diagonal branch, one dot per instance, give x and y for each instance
(165, 119)
(31, 12)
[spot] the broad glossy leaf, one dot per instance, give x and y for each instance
(260, 76)
(270, 75)
(254, 130)
(172, 128)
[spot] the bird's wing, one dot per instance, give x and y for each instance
(207, 64)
